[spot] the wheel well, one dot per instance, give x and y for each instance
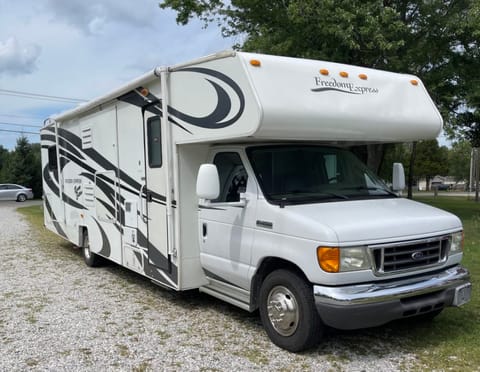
(268, 265)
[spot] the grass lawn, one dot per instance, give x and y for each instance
(450, 342)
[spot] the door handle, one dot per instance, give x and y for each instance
(140, 200)
(204, 232)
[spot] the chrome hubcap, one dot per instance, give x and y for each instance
(283, 310)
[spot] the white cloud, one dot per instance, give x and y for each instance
(88, 48)
(18, 59)
(92, 18)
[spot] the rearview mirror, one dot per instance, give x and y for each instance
(398, 177)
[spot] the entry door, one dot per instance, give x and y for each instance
(227, 229)
(153, 195)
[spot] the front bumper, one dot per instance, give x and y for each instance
(373, 304)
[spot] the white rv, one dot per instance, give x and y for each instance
(232, 174)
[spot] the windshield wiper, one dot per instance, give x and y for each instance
(317, 196)
(370, 188)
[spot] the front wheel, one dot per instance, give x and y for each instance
(90, 258)
(288, 312)
(21, 197)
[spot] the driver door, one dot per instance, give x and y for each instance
(226, 229)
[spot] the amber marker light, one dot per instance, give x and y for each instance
(329, 259)
(255, 63)
(414, 82)
(324, 71)
(144, 92)
(363, 76)
(343, 74)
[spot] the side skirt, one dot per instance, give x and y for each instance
(228, 293)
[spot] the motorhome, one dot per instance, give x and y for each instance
(233, 174)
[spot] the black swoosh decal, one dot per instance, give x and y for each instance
(214, 120)
(334, 89)
(54, 219)
(49, 182)
(106, 250)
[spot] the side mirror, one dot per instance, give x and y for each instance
(208, 183)
(398, 177)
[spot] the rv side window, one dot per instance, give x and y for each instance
(52, 158)
(154, 137)
(233, 177)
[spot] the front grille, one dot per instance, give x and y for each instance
(410, 255)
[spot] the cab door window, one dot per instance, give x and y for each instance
(233, 177)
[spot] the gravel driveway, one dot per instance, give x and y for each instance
(58, 314)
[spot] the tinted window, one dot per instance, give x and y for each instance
(233, 177)
(304, 174)
(154, 136)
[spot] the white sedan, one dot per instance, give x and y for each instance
(10, 191)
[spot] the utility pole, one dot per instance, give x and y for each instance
(472, 170)
(410, 171)
(477, 173)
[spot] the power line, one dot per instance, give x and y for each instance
(20, 125)
(45, 97)
(18, 131)
(22, 116)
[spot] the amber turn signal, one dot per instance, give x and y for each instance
(329, 259)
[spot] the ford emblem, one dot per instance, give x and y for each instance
(417, 255)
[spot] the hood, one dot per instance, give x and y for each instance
(367, 221)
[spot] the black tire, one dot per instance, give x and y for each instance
(90, 258)
(21, 197)
(298, 329)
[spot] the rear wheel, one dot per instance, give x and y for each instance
(90, 258)
(21, 197)
(288, 312)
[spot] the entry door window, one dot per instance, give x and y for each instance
(154, 136)
(233, 177)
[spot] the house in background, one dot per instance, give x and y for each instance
(442, 183)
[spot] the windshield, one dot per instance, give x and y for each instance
(294, 174)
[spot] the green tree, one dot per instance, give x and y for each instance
(459, 161)
(431, 160)
(23, 166)
(4, 154)
(394, 153)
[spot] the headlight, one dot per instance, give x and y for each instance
(456, 242)
(354, 258)
(334, 260)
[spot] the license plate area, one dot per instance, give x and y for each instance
(462, 294)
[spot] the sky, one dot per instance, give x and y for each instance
(83, 49)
